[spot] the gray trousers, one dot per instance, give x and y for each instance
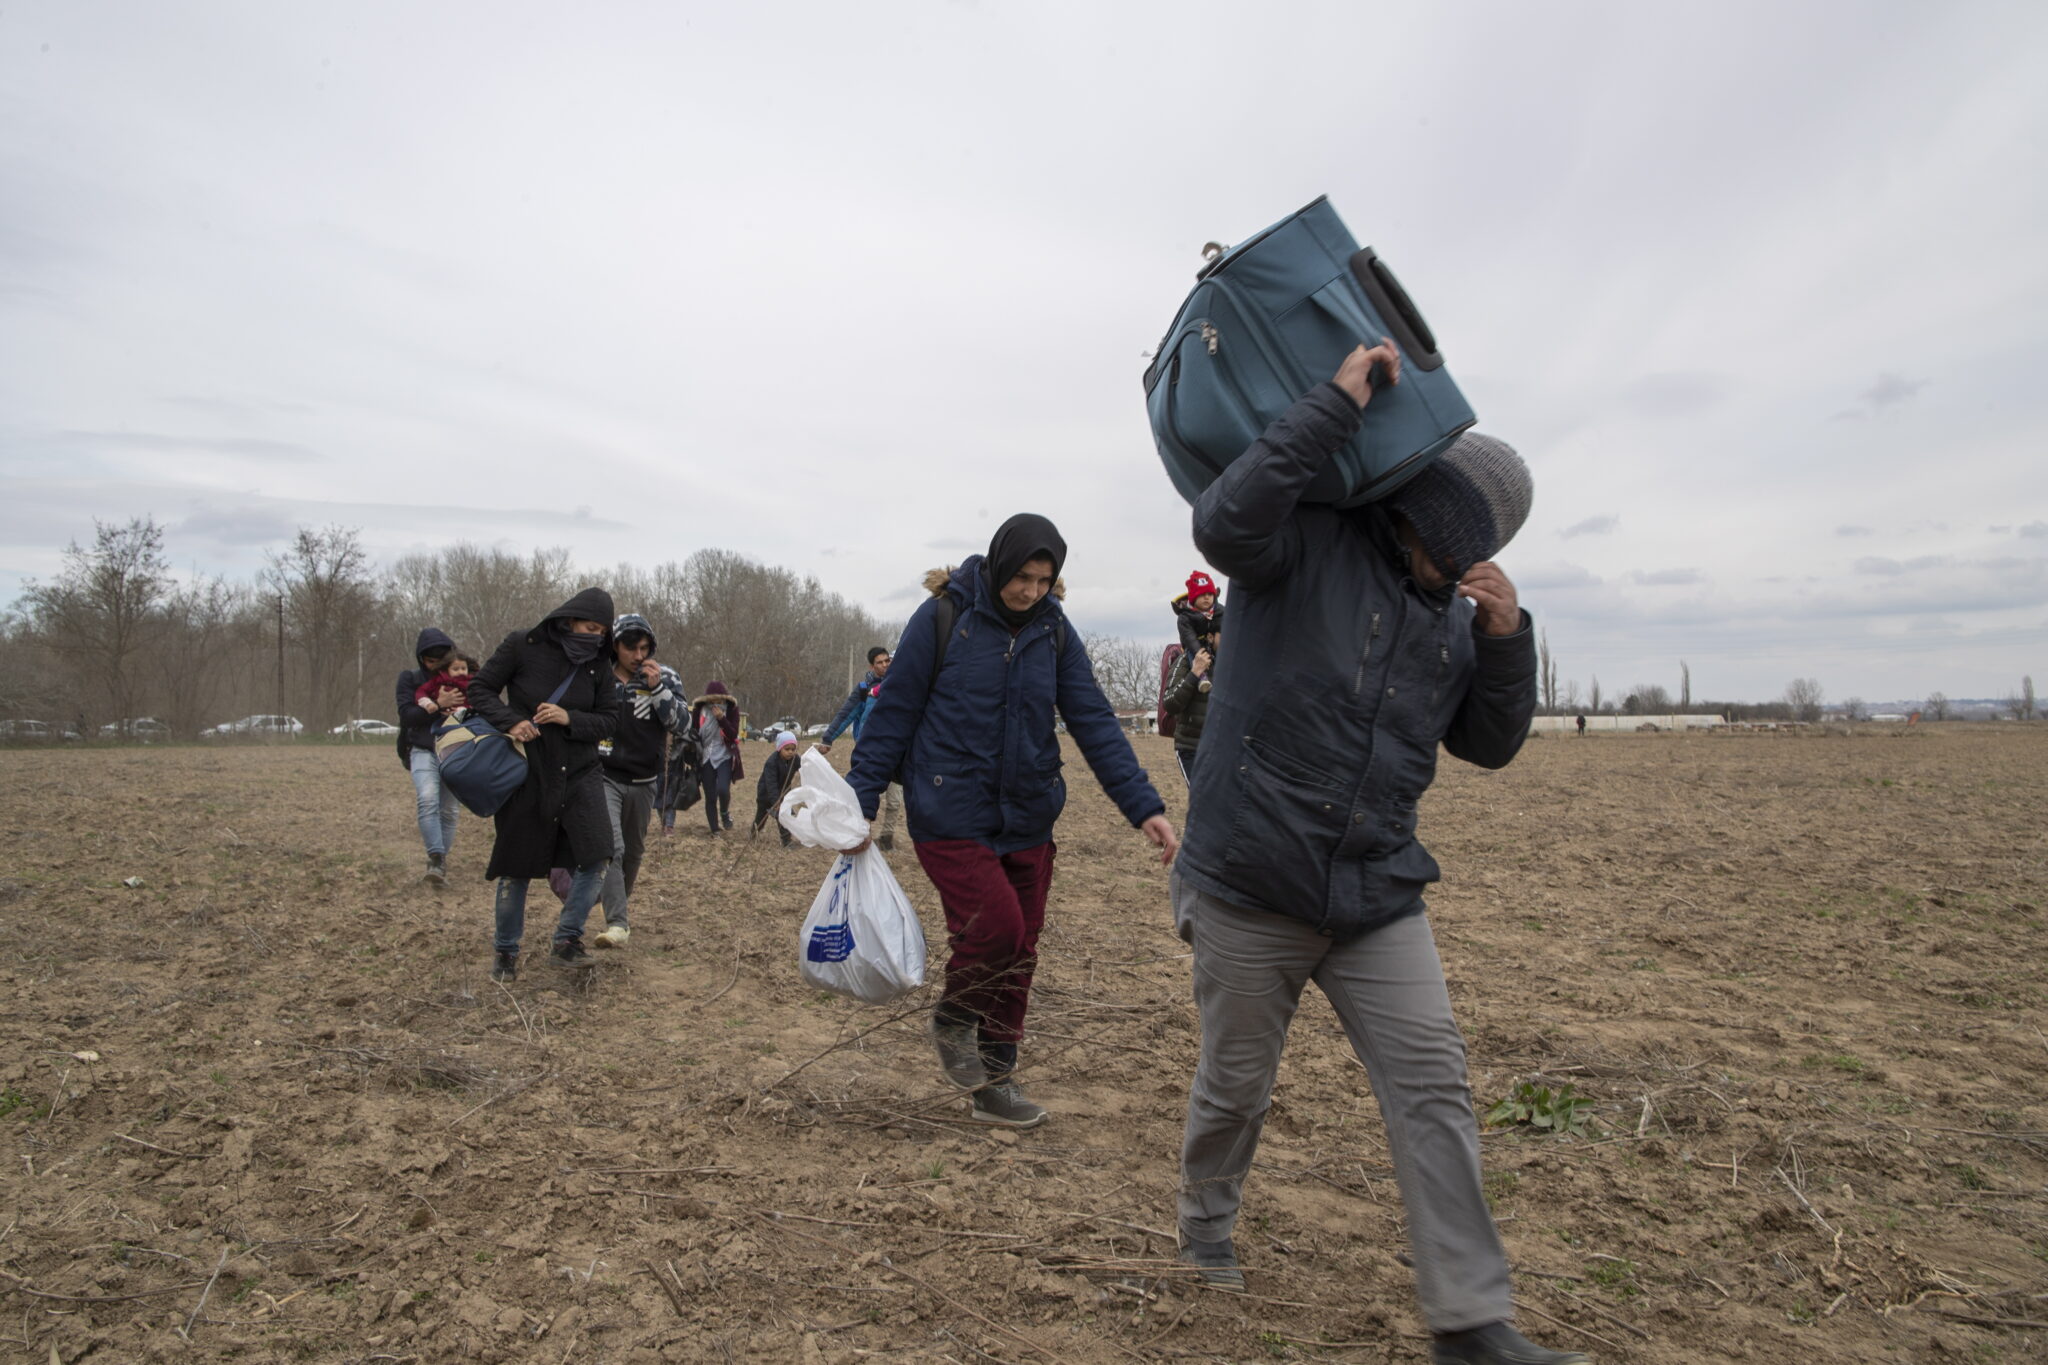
(631, 805)
(1388, 990)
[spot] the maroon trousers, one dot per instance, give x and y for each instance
(995, 906)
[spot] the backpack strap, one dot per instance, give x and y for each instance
(942, 621)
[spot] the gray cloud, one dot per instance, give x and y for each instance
(1666, 578)
(160, 443)
(360, 274)
(1891, 568)
(1591, 526)
(1888, 391)
(2035, 530)
(1846, 530)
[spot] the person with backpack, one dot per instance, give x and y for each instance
(433, 804)
(715, 725)
(853, 712)
(1187, 697)
(551, 689)
(966, 724)
(649, 697)
(1361, 639)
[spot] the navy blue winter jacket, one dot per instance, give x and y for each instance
(975, 747)
(1342, 677)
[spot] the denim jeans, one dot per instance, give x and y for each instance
(716, 780)
(583, 889)
(435, 803)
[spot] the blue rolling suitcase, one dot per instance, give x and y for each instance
(1268, 320)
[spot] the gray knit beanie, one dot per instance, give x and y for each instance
(1468, 504)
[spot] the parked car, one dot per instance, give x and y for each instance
(365, 727)
(789, 723)
(141, 729)
(816, 731)
(29, 731)
(256, 727)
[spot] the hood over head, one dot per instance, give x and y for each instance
(591, 604)
(432, 640)
(632, 621)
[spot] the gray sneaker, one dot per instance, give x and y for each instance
(1216, 1260)
(437, 870)
(959, 1053)
(1004, 1103)
(1496, 1343)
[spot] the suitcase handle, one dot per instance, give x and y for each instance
(1391, 301)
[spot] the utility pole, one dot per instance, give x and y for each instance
(359, 691)
(280, 654)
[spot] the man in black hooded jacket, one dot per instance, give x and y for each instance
(551, 689)
(1361, 639)
(434, 803)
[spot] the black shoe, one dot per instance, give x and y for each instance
(885, 842)
(568, 952)
(437, 870)
(1496, 1344)
(506, 968)
(728, 822)
(1217, 1261)
(959, 1052)
(1005, 1102)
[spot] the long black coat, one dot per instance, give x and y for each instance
(558, 819)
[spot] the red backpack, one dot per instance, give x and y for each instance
(1167, 660)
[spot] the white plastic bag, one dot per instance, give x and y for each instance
(822, 812)
(862, 938)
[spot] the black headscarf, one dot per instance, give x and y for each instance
(1018, 541)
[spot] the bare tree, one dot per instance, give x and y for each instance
(1594, 705)
(1804, 696)
(324, 579)
(1647, 699)
(1853, 709)
(1570, 700)
(190, 651)
(1936, 706)
(99, 605)
(2027, 695)
(1684, 686)
(1126, 671)
(1546, 671)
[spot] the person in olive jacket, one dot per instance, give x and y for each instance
(966, 725)
(1361, 639)
(1187, 697)
(559, 818)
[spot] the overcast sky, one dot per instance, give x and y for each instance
(1760, 292)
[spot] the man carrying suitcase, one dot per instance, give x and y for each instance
(1361, 639)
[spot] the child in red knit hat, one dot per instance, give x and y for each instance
(1197, 613)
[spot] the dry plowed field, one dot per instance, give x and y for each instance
(265, 1104)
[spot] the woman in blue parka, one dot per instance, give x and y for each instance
(965, 723)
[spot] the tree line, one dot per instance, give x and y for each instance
(321, 630)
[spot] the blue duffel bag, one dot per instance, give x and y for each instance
(1268, 320)
(482, 764)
